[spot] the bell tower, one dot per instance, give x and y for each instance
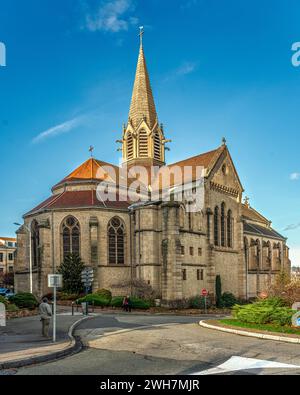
(143, 140)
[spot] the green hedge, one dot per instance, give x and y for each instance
(136, 303)
(117, 301)
(269, 311)
(104, 293)
(198, 302)
(24, 301)
(95, 299)
(228, 300)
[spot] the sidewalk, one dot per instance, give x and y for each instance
(21, 340)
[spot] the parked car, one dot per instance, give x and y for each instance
(7, 293)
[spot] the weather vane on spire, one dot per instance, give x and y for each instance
(91, 150)
(141, 34)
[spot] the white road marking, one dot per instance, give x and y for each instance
(239, 363)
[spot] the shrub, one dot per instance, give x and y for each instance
(228, 300)
(4, 301)
(12, 308)
(198, 302)
(24, 301)
(264, 312)
(137, 303)
(117, 301)
(272, 302)
(95, 299)
(67, 296)
(105, 293)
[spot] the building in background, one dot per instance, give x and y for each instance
(8, 247)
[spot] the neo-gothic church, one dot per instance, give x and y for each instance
(175, 251)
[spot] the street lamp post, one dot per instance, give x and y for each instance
(30, 255)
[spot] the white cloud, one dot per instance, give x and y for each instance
(112, 16)
(186, 68)
(294, 176)
(64, 127)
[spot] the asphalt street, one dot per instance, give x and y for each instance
(151, 345)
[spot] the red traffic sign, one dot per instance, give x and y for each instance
(204, 292)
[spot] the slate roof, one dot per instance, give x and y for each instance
(258, 230)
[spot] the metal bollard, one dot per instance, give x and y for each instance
(72, 308)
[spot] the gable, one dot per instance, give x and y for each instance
(223, 175)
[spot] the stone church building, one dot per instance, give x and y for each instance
(176, 251)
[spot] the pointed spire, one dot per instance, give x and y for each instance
(142, 102)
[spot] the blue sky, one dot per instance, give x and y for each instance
(218, 68)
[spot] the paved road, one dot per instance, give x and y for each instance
(26, 333)
(151, 345)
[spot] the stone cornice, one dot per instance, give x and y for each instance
(224, 189)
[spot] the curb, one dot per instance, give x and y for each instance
(75, 347)
(263, 336)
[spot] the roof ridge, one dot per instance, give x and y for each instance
(194, 157)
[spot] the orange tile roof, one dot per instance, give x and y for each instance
(204, 159)
(94, 169)
(8, 238)
(91, 169)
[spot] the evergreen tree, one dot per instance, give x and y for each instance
(71, 270)
(218, 291)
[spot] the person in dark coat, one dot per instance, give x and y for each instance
(127, 304)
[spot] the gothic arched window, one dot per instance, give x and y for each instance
(229, 228)
(216, 226)
(157, 146)
(223, 224)
(116, 242)
(35, 243)
(143, 144)
(129, 146)
(71, 236)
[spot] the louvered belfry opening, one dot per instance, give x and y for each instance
(143, 144)
(157, 146)
(130, 152)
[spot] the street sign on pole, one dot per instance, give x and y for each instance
(87, 278)
(54, 281)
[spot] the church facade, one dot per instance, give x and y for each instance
(176, 251)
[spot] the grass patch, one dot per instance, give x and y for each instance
(262, 327)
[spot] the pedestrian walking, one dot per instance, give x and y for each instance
(46, 314)
(127, 304)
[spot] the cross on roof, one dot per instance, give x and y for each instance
(141, 33)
